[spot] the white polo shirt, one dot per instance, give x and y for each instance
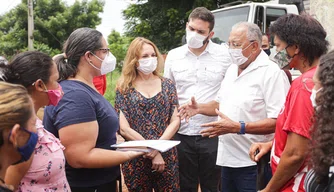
(259, 92)
(198, 76)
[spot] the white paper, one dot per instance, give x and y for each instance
(146, 145)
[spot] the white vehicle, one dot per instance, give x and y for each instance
(262, 14)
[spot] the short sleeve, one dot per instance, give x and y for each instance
(75, 107)
(299, 119)
(167, 70)
(275, 90)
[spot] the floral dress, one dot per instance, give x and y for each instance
(47, 171)
(150, 118)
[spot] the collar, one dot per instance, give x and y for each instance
(261, 60)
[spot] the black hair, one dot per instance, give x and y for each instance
(304, 31)
(26, 68)
(78, 43)
(322, 153)
(204, 14)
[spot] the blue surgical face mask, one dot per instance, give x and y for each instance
(28, 149)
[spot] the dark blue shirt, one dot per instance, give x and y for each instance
(81, 104)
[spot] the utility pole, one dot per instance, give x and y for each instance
(30, 26)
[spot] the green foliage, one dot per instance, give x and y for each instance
(111, 85)
(54, 21)
(118, 45)
(163, 21)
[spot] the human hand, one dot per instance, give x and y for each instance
(158, 163)
(188, 110)
(257, 150)
(134, 154)
(151, 154)
(223, 126)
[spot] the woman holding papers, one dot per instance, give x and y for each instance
(147, 106)
(84, 120)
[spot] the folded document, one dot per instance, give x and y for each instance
(146, 145)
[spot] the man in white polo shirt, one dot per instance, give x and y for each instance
(250, 98)
(198, 69)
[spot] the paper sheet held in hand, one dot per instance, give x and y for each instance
(146, 145)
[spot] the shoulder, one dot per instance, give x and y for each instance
(167, 81)
(177, 53)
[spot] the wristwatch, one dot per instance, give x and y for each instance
(242, 128)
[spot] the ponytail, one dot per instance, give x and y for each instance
(64, 68)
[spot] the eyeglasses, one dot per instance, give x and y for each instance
(104, 49)
(237, 45)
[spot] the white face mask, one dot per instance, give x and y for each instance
(313, 96)
(195, 40)
(237, 57)
(108, 63)
(147, 65)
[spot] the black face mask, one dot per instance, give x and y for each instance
(267, 51)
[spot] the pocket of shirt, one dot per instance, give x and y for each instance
(213, 75)
(182, 76)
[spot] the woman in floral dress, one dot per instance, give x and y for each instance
(147, 105)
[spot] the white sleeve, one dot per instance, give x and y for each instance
(167, 70)
(276, 87)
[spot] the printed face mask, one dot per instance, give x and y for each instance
(147, 65)
(195, 40)
(27, 150)
(237, 57)
(282, 58)
(313, 96)
(108, 63)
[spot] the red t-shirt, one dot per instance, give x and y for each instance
(100, 83)
(295, 117)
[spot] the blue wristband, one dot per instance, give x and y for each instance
(242, 128)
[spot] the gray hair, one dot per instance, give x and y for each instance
(253, 31)
(78, 43)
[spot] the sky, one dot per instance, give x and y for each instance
(111, 17)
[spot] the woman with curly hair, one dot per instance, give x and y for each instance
(300, 41)
(322, 152)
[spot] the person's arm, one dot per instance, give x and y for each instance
(15, 173)
(257, 150)
(80, 151)
(167, 69)
(126, 131)
(293, 157)
(172, 127)
(226, 125)
(193, 108)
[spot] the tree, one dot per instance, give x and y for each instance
(54, 22)
(118, 45)
(163, 21)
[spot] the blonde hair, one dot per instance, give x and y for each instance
(15, 106)
(129, 71)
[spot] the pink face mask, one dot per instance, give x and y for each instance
(55, 95)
